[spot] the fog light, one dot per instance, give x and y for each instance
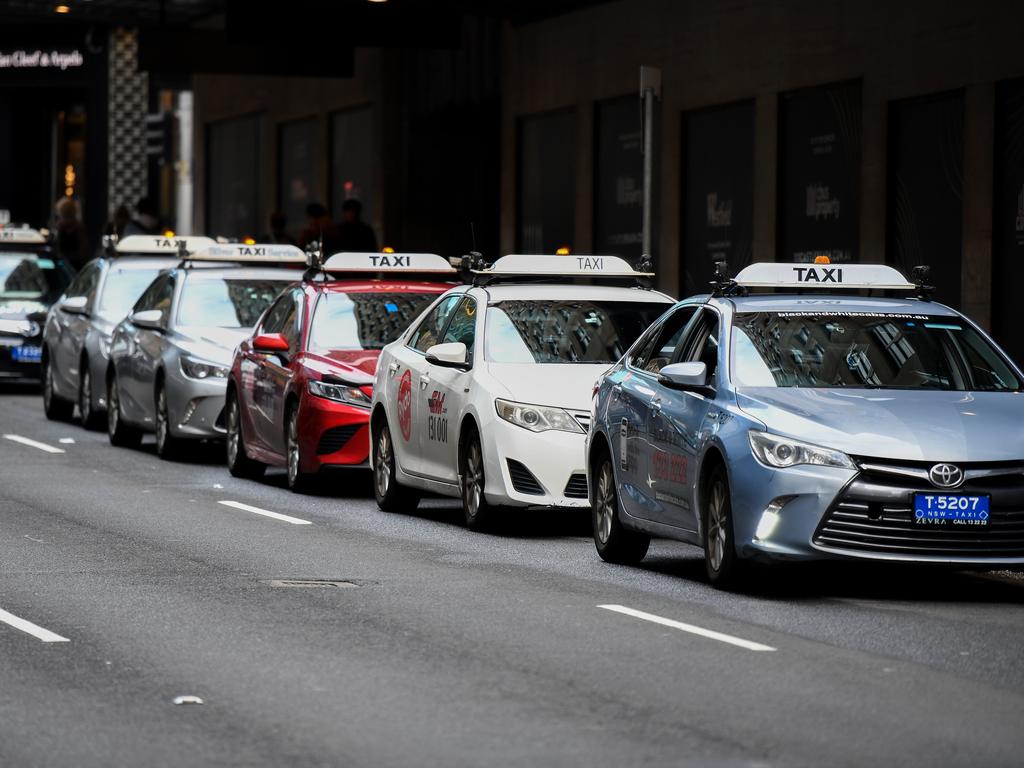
(770, 518)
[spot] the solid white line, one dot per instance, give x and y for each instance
(33, 443)
(266, 513)
(711, 634)
(33, 629)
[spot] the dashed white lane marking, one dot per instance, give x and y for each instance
(693, 630)
(33, 629)
(33, 443)
(265, 513)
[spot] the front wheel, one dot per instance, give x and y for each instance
(614, 542)
(89, 416)
(120, 434)
(167, 445)
(724, 567)
(479, 513)
(55, 407)
(298, 481)
(239, 463)
(391, 497)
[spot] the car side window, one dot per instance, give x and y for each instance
(164, 298)
(274, 320)
(462, 327)
(292, 320)
(701, 345)
(661, 347)
(85, 282)
(429, 331)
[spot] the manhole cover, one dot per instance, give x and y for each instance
(313, 583)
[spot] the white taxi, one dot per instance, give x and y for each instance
(487, 395)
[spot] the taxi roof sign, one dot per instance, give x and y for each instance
(353, 261)
(823, 277)
(260, 253)
(21, 236)
(159, 245)
(576, 265)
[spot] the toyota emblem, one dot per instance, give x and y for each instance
(946, 475)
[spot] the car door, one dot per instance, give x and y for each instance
(404, 388)
(645, 488)
(72, 328)
(149, 348)
(257, 379)
(442, 393)
(678, 424)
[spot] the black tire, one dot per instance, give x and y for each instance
(724, 567)
(614, 542)
(239, 463)
(120, 434)
(55, 407)
(168, 447)
(479, 514)
(298, 481)
(390, 495)
(89, 417)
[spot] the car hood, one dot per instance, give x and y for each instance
(353, 365)
(566, 385)
(895, 424)
(217, 345)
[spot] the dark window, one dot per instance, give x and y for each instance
(274, 320)
(30, 277)
(701, 345)
(429, 332)
(296, 170)
(661, 345)
(618, 178)
(85, 282)
(159, 295)
(547, 182)
(1008, 219)
(233, 193)
(352, 160)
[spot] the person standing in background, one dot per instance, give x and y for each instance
(354, 234)
(146, 220)
(72, 244)
(278, 230)
(319, 227)
(118, 222)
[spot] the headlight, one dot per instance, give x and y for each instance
(342, 393)
(774, 451)
(537, 418)
(200, 369)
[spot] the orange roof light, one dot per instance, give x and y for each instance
(62, 9)
(822, 260)
(249, 240)
(565, 250)
(387, 249)
(168, 233)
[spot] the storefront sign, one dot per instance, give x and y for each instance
(39, 59)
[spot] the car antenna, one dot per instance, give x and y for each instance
(921, 275)
(183, 253)
(314, 261)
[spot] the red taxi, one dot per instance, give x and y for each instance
(300, 387)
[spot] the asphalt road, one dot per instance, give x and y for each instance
(448, 648)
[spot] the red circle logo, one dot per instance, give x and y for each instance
(405, 405)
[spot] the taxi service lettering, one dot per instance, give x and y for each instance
(437, 421)
(669, 467)
(390, 260)
(819, 274)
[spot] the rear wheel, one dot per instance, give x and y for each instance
(479, 513)
(391, 497)
(167, 445)
(298, 481)
(55, 407)
(120, 434)
(724, 568)
(239, 463)
(89, 417)
(614, 542)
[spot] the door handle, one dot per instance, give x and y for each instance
(655, 405)
(393, 369)
(616, 391)
(424, 381)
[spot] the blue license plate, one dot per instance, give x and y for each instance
(27, 353)
(950, 509)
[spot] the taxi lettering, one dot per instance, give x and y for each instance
(590, 262)
(392, 260)
(437, 421)
(252, 251)
(164, 242)
(819, 275)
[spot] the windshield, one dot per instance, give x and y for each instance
(865, 350)
(363, 320)
(122, 289)
(30, 277)
(226, 302)
(565, 331)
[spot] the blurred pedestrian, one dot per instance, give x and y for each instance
(118, 222)
(278, 230)
(146, 220)
(354, 234)
(72, 244)
(319, 227)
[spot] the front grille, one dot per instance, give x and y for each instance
(874, 513)
(576, 488)
(523, 480)
(335, 438)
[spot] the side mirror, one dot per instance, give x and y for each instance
(75, 305)
(270, 343)
(451, 355)
(148, 318)
(686, 377)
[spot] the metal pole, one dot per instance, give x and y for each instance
(650, 89)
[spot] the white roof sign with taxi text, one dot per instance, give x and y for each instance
(25, 235)
(585, 266)
(158, 245)
(351, 261)
(257, 253)
(823, 276)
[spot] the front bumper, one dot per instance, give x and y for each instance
(535, 469)
(332, 434)
(196, 407)
(14, 371)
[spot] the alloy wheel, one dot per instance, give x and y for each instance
(113, 408)
(472, 482)
(85, 396)
(161, 419)
(232, 430)
(605, 503)
(382, 462)
(293, 447)
(48, 387)
(716, 526)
